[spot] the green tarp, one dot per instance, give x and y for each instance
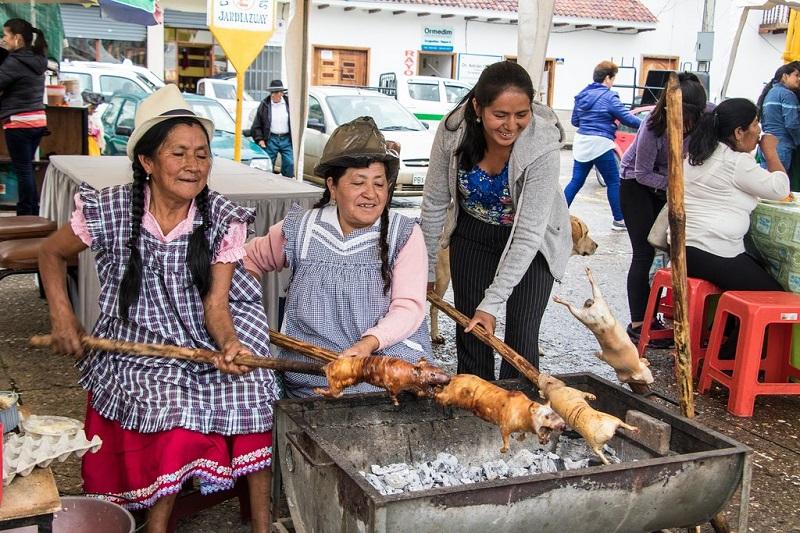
(46, 17)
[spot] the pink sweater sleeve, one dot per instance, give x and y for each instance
(78, 222)
(232, 247)
(267, 253)
(409, 285)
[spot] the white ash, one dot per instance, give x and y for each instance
(447, 471)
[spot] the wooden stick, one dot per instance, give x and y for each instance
(284, 341)
(188, 354)
(506, 352)
(677, 223)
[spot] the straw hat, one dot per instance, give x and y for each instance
(357, 140)
(164, 104)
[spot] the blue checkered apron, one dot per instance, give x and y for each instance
(336, 292)
(149, 394)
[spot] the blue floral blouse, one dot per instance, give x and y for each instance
(486, 197)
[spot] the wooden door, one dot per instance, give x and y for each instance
(340, 66)
(656, 63)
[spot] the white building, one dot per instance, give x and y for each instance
(354, 41)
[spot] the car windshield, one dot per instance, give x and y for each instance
(214, 110)
(144, 79)
(388, 114)
(226, 91)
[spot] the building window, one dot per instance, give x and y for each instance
(106, 50)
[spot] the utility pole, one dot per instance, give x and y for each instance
(534, 21)
(705, 38)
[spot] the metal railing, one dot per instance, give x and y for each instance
(777, 16)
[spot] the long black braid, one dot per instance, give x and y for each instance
(132, 278)
(199, 256)
(199, 252)
(335, 174)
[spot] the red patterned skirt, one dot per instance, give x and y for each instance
(135, 469)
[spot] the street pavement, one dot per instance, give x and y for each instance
(48, 383)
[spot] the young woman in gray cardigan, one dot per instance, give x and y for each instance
(492, 196)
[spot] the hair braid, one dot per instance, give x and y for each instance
(386, 271)
(199, 254)
(325, 200)
(132, 278)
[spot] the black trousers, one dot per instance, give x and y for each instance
(475, 250)
(740, 273)
(640, 206)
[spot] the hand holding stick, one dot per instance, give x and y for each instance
(188, 354)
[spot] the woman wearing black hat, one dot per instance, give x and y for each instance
(272, 129)
(358, 270)
(21, 104)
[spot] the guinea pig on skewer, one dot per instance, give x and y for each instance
(511, 411)
(617, 348)
(394, 375)
(596, 427)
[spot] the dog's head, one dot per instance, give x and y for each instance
(582, 244)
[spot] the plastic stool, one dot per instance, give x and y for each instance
(756, 310)
(699, 291)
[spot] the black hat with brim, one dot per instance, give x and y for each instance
(355, 142)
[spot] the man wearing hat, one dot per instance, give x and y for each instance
(271, 128)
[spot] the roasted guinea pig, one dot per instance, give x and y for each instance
(595, 427)
(394, 375)
(617, 348)
(511, 411)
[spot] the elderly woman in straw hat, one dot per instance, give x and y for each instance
(358, 270)
(169, 255)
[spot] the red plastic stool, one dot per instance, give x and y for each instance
(756, 310)
(699, 291)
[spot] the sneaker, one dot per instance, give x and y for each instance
(619, 225)
(658, 344)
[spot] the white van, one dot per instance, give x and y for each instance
(109, 78)
(224, 92)
(428, 97)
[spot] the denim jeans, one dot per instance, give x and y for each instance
(608, 168)
(22, 144)
(282, 144)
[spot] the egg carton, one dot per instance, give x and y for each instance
(24, 452)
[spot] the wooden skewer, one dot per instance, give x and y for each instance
(284, 341)
(513, 357)
(189, 354)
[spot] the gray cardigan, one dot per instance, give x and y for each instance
(542, 218)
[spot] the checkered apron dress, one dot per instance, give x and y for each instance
(336, 292)
(150, 394)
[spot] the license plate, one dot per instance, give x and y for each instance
(418, 179)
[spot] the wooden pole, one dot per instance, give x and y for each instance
(677, 223)
(190, 354)
(506, 352)
(284, 341)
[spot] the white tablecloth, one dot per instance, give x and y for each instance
(270, 195)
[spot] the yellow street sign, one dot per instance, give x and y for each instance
(242, 28)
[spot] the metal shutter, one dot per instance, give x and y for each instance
(184, 19)
(85, 22)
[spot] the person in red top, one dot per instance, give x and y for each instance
(22, 104)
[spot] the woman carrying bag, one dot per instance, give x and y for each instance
(22, 104)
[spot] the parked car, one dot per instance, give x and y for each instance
(110, 78)
(224, 92)
(624, 137)
(118, 125)
(329, 106)
(428, 97)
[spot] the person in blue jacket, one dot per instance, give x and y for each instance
(597, 108)
(779, 110)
